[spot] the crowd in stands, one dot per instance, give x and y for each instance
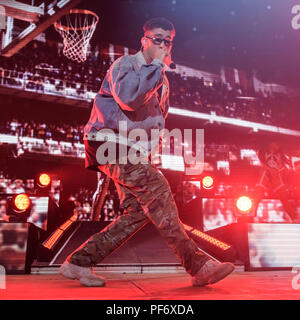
(42, 64)
(59, 131)
(234, 102)
(66, 139)
(43, 68)
(11, 186)
(58, 139)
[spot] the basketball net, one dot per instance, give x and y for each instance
(76, 28)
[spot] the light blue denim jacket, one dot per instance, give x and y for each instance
(129, 92)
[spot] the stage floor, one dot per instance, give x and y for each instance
(240, 285)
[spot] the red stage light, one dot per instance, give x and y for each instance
(244, 204)
(44, 180)
(208, 182)
(21, 202)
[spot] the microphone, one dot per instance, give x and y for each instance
(172, 65)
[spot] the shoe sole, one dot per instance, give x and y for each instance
(221, 273)
(65, 272)
(218, 275)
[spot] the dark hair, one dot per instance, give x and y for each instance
(160, 22)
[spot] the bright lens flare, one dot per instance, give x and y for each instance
(22, 202)
(207, 182)
(44, 180)
(244, 204)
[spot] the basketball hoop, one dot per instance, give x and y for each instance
(76, 29)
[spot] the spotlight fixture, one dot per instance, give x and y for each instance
(44, 180)
(244, 204)
(18, 207)
(21, 203)
(207, 182)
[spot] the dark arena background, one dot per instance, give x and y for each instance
(237, 78)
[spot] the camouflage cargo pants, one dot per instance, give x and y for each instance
(146, 196)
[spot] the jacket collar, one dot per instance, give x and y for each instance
(140, 59)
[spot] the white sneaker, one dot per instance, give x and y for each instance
(85, 275)
(212, 272)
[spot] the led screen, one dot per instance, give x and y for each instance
(13, 243)
(274, 245)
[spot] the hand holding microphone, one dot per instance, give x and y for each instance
(165, 56)
(169, 62)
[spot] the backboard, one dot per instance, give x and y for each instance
(23, 20)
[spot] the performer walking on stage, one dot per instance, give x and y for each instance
(131, 92)
(275, 166)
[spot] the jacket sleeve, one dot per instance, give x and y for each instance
(131, 89)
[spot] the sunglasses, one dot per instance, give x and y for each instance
(158, 41)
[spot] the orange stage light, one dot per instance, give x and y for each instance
(44, 180)
(21, 202)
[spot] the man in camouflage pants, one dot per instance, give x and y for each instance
(130, 92)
